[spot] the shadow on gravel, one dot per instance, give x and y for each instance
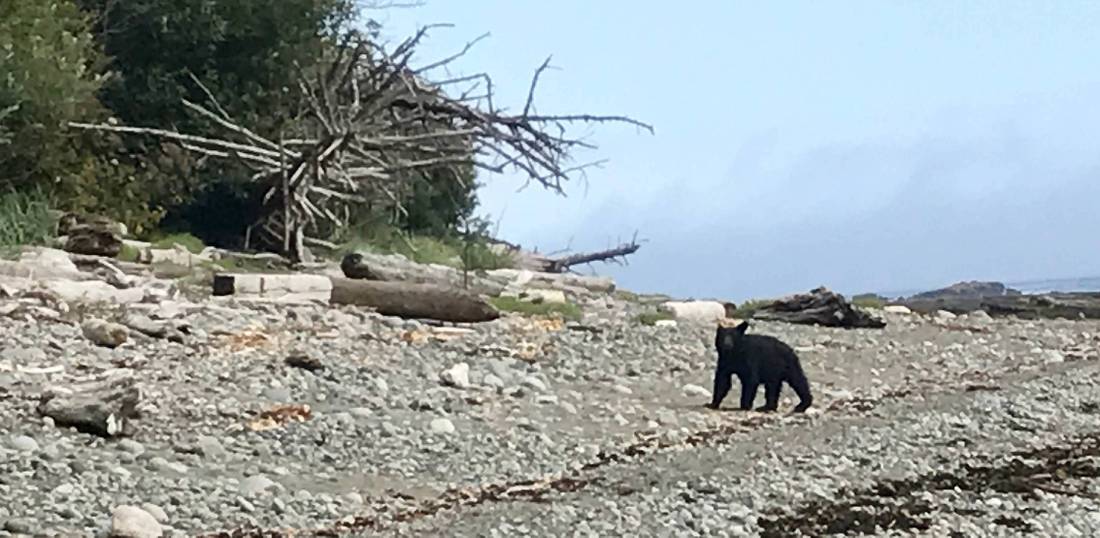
(900, 504)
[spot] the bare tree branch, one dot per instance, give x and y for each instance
(371, 124)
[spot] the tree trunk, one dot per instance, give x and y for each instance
(413, 300)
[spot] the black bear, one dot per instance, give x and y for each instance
(757, 360)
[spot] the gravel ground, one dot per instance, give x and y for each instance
(934, 427)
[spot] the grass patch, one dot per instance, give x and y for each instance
(566, 311)
(129, 253)
(25, 219)
(652, 317)
(869, 300)
(452, 251)
(193, 244)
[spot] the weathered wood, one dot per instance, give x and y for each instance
(101, 407)
(318, 286)
(413, 300)
(820, 307)
(560, 265)
(392, 268)
(91, 261)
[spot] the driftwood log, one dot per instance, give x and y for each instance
(101, 407)
(413, 300)
(361, 266)
(818, 307)
(544, 264)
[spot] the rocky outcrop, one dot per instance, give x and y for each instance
(966, 290)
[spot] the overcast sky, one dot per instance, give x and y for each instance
(865, 146)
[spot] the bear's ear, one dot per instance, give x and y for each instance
(744, 326)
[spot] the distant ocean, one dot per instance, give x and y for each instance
(1091, 283)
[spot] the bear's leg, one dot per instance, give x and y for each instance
(771, 396)
(722, 386)
(801, 386)
(748, 392)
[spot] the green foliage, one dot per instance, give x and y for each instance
(247, 53)
(25, 219)
(450, 249)
(128, 253)
(439, 201)
(48, 78)
(566, 311)
(652, 317)
(746, 309)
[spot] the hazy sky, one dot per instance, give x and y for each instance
(859, 145)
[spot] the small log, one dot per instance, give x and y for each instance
(413, 300)
(103, 407)
(820, 307)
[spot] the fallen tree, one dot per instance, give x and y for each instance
(564, 263)
(414, 300)
(818, 307)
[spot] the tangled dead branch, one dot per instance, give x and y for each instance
(373, 121)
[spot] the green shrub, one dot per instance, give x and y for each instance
(566, 311)
(128, 253)
(25, 219)
(868, 300)
(450, 250)
(746, 309)
(50, 73)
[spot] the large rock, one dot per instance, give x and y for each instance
(133, 522)
(698, 311)
(818, 307)
(101, 407)
(456, 376)
(105, 333)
